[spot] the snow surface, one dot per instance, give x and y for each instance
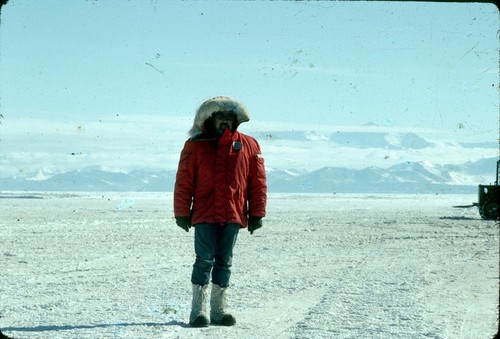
(114, 265)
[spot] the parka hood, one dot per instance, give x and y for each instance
(218, 104)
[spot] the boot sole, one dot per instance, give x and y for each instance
(227, 320)
(199, 321)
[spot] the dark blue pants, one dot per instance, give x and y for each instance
(213, 245)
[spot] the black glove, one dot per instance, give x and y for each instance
(183, 222)
(254, 223)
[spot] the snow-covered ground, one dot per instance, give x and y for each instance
(108, 265)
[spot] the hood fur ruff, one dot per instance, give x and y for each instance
(217, 104)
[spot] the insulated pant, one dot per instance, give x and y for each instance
(213, 245)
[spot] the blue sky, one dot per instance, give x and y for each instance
(422, 66)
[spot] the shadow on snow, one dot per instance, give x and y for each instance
(79, 327)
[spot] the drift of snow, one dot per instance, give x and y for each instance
(88, 265)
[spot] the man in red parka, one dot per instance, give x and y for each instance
(220, 187)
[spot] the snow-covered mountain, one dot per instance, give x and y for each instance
(418, 177)
(358, 139)
(305, 159)
(421, 177)
(93, 179)
(366, 146)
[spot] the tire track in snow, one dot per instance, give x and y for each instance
(277, 318)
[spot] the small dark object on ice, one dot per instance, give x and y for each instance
(467, 206)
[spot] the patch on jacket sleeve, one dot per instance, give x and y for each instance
(237, 145)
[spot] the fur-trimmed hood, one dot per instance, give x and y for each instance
(218, 104)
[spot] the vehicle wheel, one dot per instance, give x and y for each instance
(490, 210)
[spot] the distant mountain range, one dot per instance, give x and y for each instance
(419, 177)
(416, 177)
(364, 139)
(385, 160)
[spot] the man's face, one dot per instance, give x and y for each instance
(223, 120)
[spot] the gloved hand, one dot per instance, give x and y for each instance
(254, 223)
(183, 222)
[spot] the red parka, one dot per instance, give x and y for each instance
(221, 179)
